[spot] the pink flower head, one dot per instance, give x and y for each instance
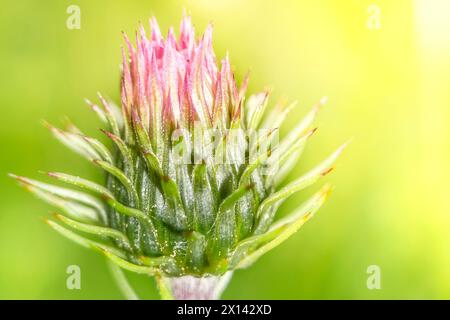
(173, 82)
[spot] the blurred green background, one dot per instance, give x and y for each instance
(388, 88)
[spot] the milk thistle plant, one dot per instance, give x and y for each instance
(193, 175)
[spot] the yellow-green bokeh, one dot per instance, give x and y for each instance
(388, 89)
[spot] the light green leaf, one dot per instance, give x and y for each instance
(195, 251)
(256, 163)
(74, 195)
(301, 128)
(99, 111)
(142, 136)
(124, 151)
(255, 108)
(100, 148)
(87, 243)
(205, 202)
(293, 187)
(82, 183)
(113, 116)
(120, 175)
(169, 187)
(156, 261)
(124, 264)
(249, 250)
(95, 230)
(223, 233)
(233, 198)
(281, 156)
(153, 163)
(276, 118)
(71, 208)
(74, 142)
(132, 212)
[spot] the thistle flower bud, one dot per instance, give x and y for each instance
(193, 175)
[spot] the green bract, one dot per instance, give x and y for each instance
(193, 171)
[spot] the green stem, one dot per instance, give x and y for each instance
(122, 282)
(163, 288)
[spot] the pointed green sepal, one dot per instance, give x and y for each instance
(249, 250)
(264, 216)
(95, 230)
(84, 242)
